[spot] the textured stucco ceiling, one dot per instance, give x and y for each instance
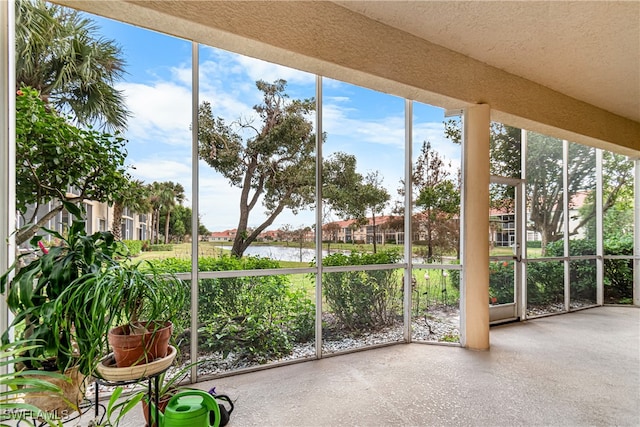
(566, 69)
(589, 50)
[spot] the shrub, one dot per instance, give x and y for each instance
(134, 246)
(363, 299)
(501, 282)
(618, 273)
(258, 318)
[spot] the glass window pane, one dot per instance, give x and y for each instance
(505, 151)
(618, 228)
(249, 321)
(435, 303)
(501, 282)
(544, 194)
(363, 158)
(582, 283)
(545, 287)
(502, 220)
(361, 308)
(257, 158)
(436, 185)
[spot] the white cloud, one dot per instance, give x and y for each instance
(161, 169)
(260, 70)
(161, 112)
(340, 127)
(160, 138)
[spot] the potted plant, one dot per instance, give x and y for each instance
(127, 307)
(14, 385)
(169, 386)
(41, 282)
(117, 408)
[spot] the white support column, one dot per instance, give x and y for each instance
(523, 301)
(319, 208)
(636, 236)
(195, 93)
(599, 231)
(7, 147)
(474, 316)
(408, 213)
(565, 226)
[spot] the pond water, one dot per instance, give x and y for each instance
(282, 253)
(292, 253)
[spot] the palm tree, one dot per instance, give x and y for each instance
(174, 193)
(135, 197)
(155, 191)
(59, 53)
(163, 196)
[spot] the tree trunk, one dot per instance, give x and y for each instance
(116, 225)
(157, 229)
(375, 237)
(166, 227)
(25, 234)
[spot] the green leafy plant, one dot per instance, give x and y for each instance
(363, 299)
(42, 285)
(119, 294)
(257, 318)
(501, 282)
(117, 408)
(54, 155)
(14, 385)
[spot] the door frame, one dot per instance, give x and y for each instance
(512, 311)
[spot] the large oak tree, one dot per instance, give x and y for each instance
(275, 164)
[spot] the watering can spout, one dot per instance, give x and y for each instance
(191, 408)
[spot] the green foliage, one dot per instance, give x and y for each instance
(22, 381)
(501, 282)
(60, 52)
(118, 407)
(618, 273)
(450, 337)
(365, 299)
(120, 294)
(275, 163)
(160, 248)
(534, 244)
(133, 247)
(180, 223)
(545, 279)
(256, 318)
(38, 286)
(54, 156)
(545, 282)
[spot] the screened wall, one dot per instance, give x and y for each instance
(333, 211)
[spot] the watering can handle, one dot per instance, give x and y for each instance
(214, 407)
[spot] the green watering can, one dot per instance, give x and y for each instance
(191, 408)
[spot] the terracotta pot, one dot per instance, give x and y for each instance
(51, 403)
(162, 405)
(132, 347)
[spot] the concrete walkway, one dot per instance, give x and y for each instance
(576, 369)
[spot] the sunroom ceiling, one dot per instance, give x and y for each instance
(589, 50)
(569, 69)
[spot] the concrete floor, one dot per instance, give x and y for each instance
(575, 369)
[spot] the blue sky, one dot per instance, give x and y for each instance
(157, 88)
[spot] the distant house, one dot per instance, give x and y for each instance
(270, 235)
(387, 229)
(223, 236)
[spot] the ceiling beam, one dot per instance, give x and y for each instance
(326, 39)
